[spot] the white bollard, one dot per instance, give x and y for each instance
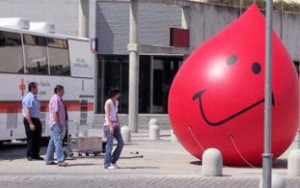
(173, 136)
(212, 162)
(153, 121)
(277, 181)
(294, 163)
(153, 129)
(126, 134)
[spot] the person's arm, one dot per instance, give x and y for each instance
(117, 115)
(54, 111)
(28, 118)
(55, 118)
(107, 114)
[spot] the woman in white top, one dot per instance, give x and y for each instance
(112, 130)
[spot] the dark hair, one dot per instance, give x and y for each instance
(58, 88)
(31, 86)
(113, 92)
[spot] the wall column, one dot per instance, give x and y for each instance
(133, 67)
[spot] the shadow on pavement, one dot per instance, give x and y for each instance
(140, 167)
(198, 163)
(280, 163)
(85, 164)
(9, 151)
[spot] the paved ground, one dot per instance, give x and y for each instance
(157, 164)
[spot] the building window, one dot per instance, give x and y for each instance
(113, 73)
(163, 71)
(35, 54)
(155, 77)
(11, 54)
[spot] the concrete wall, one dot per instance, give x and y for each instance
(206, 20)
(64, 13)
(155, 21)
(109, 21)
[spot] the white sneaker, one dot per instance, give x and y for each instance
(111, 167)
(115, 165)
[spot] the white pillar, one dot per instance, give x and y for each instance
(294, 163)
(133, 67)
(212, 162)
(83, 18)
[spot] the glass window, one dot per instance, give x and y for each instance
(35, 54)
(144, 84)
(58, 56)
(164, 70)
(116, 76)
(11, 54)
(155, 79)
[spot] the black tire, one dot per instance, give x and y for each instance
(87, 154)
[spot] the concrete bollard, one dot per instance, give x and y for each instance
(126, 134)
(153, 121)
(173, 136)
(212, 162)
(153, 129)
(294, 163)
(277, 181)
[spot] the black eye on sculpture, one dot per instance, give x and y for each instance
(256, 68)
(232, 60)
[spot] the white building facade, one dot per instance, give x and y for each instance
(108, 22)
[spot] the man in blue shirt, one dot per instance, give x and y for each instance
(33, 126)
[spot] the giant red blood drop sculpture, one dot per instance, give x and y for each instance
(217, 97)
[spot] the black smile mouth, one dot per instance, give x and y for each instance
(198, 96)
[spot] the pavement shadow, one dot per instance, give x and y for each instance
(198, 163)
(280, 164)
(85, 164)
(140, 167)
(277, 164)
(12, 151)
(132, 157)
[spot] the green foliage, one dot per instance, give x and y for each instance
(292, 6)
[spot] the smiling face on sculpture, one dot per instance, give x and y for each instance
(217, 97)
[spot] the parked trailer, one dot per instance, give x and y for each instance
(48, 60)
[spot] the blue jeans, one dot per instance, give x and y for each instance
(55, 145)
(112, 158)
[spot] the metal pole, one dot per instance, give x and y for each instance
(267, 155)
(133, 67)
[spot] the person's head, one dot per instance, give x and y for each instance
(114, 93)
(32, 87)
(59, 90)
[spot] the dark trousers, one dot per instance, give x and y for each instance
(33, 137)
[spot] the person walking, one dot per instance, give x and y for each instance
(58, 125)
(112, 130)
(33, 126)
